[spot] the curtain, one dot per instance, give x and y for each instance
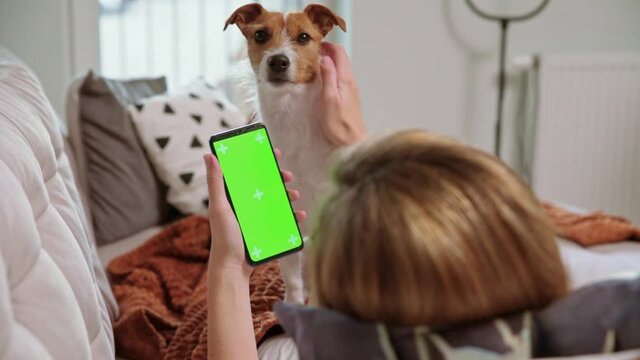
(182, 39)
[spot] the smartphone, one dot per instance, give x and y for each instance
(257, 193)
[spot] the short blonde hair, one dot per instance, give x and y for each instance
(420, 229)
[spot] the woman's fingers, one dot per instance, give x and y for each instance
(294, 195)
(217, 194)
(340, 58)
(215, 182)
(287, 175)
(329, 77)
(301, 215)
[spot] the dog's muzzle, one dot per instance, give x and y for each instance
(278, 66)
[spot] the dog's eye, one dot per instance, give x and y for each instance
(303, 39)
(261, 36)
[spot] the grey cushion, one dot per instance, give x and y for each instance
(124, 194)
(602, 316)
(578, 323)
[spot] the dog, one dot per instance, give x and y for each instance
(284, 52)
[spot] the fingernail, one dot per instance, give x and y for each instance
(324, 61)
(205, 159)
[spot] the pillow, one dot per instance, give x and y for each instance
(594, 319)
(124, 195)
(175, 132)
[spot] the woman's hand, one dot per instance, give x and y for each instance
(227, 248)
(230, 328)
(340, 115)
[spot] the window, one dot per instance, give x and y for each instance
(181, 39)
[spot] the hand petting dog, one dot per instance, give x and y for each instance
(339, 111)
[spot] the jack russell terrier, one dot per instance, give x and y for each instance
(284, 51)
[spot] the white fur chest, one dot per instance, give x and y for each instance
(289, 113)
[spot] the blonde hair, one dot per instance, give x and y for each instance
(420, 229)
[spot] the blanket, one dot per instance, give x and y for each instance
(161, 290)
(591, 229)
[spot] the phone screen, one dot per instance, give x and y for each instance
(257, 193)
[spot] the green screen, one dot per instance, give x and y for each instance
(258, 194)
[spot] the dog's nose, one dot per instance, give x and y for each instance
(279, 63)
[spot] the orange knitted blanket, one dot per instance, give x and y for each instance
(591, 229)
(161, 291)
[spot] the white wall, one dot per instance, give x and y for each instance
(420, 63)
(432, 63)
(46, 35)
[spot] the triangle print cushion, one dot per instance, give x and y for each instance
(174, 130)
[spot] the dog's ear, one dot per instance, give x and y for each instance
(324, 18)
(244, 15)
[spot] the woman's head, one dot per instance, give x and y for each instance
(420, 229)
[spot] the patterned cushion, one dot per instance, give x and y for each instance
(603, 317)
(175, 131)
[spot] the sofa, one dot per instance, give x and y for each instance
(55, 299)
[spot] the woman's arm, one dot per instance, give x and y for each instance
(231, 333)
(230, 326)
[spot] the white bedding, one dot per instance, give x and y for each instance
(588, 265)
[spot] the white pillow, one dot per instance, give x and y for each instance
(175, 130)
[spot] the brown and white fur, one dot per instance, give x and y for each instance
(284, 52)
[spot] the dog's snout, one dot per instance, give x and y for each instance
(279, 63)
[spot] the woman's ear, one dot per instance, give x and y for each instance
(324, 18)
(244, 15)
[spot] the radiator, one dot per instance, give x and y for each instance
(586, 148)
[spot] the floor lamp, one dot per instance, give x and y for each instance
(504, 22)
